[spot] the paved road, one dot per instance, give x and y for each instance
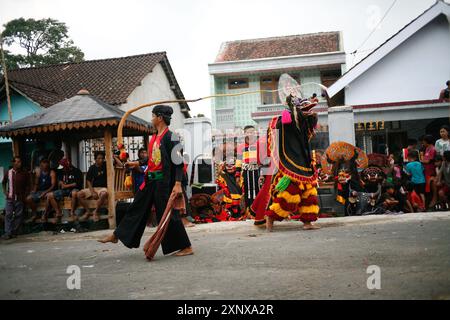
(238, 261)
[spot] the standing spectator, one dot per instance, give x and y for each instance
(314, 98)
(412, 146)
(430, 168)
(443, 181)
(16, 186)
(44, 181)
(70, 181)
(445, 93)
(139, 166)
(96, 187)
(38, 155)
(415, 169)
(56, 155)
(443, 144)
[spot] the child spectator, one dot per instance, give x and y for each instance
(416, 171)
(389, 199)
(413, 199)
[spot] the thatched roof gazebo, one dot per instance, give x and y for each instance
(80, 117)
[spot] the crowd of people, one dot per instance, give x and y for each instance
(51, 179)
(417, 180)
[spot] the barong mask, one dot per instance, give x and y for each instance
(299, 110)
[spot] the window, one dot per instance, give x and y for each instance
(238, 83)
(329, 77)
(269, 83)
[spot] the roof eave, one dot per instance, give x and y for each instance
(277, 58)
(274, 64)
(389, 45)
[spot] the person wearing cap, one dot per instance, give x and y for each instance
(163, 176)
(70, 182)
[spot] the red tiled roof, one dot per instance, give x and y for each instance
(279, 46)
(111, 80)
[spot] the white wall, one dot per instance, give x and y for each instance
(415, 70)
(155, 86)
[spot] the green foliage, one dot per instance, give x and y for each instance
(43, 42)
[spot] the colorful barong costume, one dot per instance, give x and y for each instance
(293, 189)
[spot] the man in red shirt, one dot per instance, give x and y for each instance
(162, 177)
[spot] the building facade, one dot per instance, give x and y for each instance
(124, 82)
(252, 65)
(394, 90)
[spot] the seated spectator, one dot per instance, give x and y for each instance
(443, 144)
(44, 181)
(70, 181)
(443, 182)
(445, 93)
(416, 171)
(389, 199)
(430, 169)
(414, 200)
(96, 187)
(16, 186)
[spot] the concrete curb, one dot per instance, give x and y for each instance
(247, 226)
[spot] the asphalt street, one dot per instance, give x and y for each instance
(235, 260)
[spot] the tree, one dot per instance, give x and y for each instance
(44, 41)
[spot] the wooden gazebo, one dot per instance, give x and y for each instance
(81, 117)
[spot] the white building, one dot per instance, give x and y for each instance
(256, 64)
(396, 87)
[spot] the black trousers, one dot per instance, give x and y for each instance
(132, 226)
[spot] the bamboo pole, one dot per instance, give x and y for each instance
(110, 173)
(146, 105)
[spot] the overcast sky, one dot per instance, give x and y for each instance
(191, 31)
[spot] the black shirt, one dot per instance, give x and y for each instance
(97, 176)
(74, 175)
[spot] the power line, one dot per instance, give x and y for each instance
(361, 51)
(374, 29)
